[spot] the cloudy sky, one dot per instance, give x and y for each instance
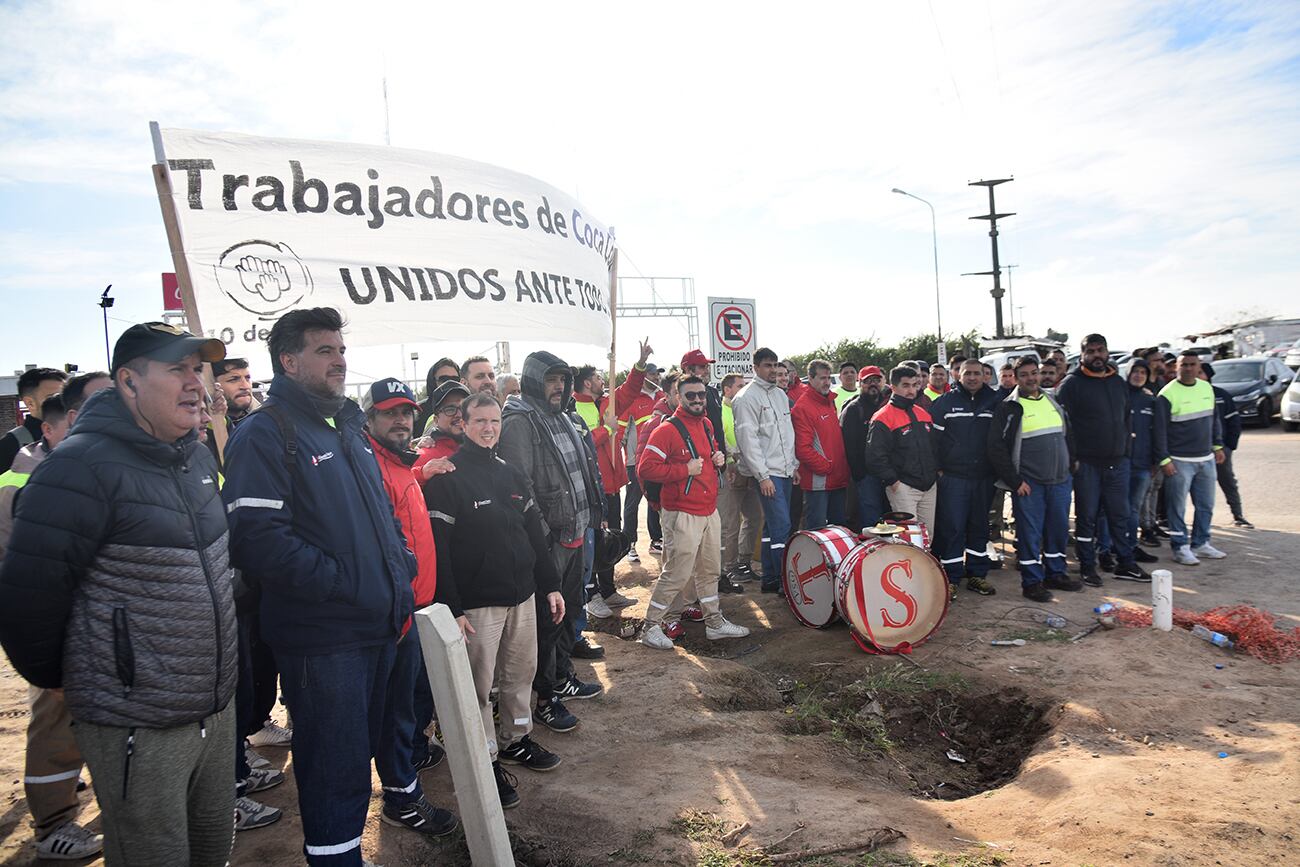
(751, 147)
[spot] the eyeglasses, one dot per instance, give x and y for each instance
(693, 396)
(449, 411)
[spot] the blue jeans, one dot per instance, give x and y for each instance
(393, 753)
(589, 589)
(1042, 530)
(776, 531)
(1199, 478)
(823, 507)
(1097, 488)
(961, 526)
(337, 702)
(872, 502)
(630, 507)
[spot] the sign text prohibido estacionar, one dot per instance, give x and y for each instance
(731, 336)
(408, 245)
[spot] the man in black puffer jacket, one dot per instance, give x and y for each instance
(117, 589)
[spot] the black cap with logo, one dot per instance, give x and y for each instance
(162, 342)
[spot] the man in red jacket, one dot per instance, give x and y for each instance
(683, 457)
(642, 389)
(819, 446)
(391, 409)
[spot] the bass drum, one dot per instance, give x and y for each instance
(893, 596)
(811, 558)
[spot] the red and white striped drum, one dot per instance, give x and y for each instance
(914, 533)
(893, 596)
(811, 558)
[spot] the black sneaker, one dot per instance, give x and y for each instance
(1037, 593)
(726, 585)
(421, 816)
(976, 584)
(1240, 521)
(574, 688)
(1132, 572)
(770, 588)
(1141, 556)
(555, 716)
(530, 754)
(656, 546)
(1107, 562)
(1089, 576)
(506, 783)
(1063, 582)
(742, 573)
(1149, 539)
(433, 759)
(1161, 532)
(584, 648)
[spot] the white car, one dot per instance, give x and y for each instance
(1292, 357)
(1290, 409)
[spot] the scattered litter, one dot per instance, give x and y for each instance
(1218, 665)
(1104, 608)
(1008, 642)
(1223, 755)
(1254, 631)
(955, 756)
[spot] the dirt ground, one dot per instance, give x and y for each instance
(1120, 735)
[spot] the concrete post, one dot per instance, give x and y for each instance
(462, 732)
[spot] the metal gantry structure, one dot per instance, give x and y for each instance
(659, 298)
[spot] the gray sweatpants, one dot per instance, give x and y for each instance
(175, 802)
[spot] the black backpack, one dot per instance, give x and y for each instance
(652, 490)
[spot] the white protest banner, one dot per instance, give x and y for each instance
(410, 246)
(731, 336)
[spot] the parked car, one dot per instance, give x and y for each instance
(1257, 384)
(1291, 407)
(1292, 359)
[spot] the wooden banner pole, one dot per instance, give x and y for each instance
(163, 183)
(611, 420)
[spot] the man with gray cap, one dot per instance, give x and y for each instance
(116, 588)
(546, 443)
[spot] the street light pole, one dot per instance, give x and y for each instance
(105, 302)
(934, 236)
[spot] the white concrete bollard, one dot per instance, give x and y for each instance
(462, 732)
(1162, 599)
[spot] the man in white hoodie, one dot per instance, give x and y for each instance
(765, 438)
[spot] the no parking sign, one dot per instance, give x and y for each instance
(731, 336)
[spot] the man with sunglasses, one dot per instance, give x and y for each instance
(682, 456)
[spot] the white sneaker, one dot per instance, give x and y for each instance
(250, 814)
(1208, 552)
(597, 608)
(653, 636)
(70, 842)
(271, 735)
(632, 556)
(726, 630)
(1185, 557)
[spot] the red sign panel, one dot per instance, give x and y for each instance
(171, 293)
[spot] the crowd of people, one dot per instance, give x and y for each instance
(178, 558)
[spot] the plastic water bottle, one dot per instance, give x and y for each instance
(1103, 608)
(1052, 621)
(1218, 639)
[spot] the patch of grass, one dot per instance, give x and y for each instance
(713, 855)
(896, 859)
(854, 712)
(699, 826)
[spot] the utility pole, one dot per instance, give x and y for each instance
(1011, 300)
(993, 216)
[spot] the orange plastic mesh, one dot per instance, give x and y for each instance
(1252, 631)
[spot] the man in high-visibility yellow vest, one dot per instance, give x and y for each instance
(1031, 447)
(1188, 447)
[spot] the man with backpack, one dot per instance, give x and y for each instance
(682, 456)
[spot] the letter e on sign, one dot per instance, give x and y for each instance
(733, 328)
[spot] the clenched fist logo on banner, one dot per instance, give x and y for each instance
(263, 277)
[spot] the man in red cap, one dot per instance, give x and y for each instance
(391, 409)
(696, 363)
(855, 421)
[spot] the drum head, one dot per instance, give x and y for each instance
(894, 596)
(811, 558)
